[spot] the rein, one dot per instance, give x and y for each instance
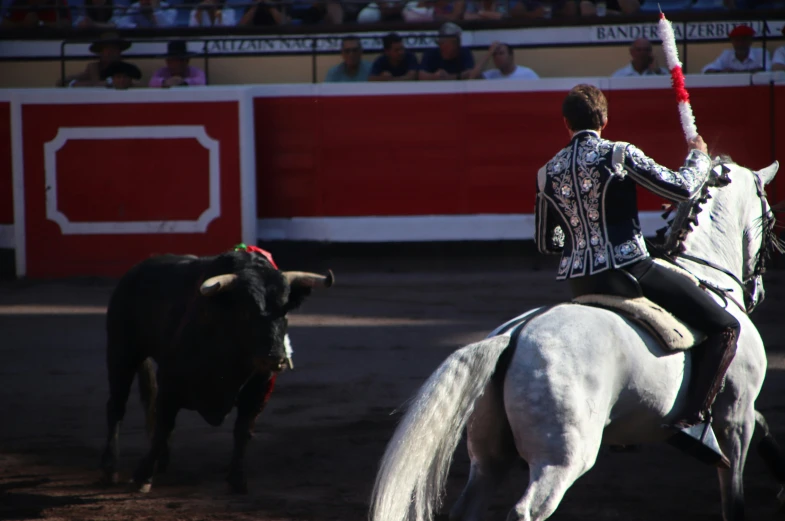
(767, 223)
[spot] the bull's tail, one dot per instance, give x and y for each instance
(412, 472)
(148, 390)
(771, 452)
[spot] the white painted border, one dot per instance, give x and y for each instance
(480, 86)
(65, 134)
(92, 95)
(17, 167)
(246, 118)
(421, 228)
(7, 230)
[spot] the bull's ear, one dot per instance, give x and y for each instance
(297, 295)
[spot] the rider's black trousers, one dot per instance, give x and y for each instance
(677, 294)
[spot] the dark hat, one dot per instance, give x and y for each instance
(121, 67)
(178, 49)
(110, 38)
(742, 31)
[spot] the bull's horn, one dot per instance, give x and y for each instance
(217, 284)
(310, 279)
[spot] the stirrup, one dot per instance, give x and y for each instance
(699, 441)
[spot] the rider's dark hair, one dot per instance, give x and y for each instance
(585, 108)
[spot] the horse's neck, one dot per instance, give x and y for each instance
(716, 239)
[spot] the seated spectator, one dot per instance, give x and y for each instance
(99, 14)
(612, 7)
(743, 58)
(212, 13)
(109, 48)
(395, 63)
(506, 68)
(353, 68)
(778, 60)
(449, 61)
(150, 13)
(37, 13)
(122, 75)
(382, 12)
(434, 10)
(642, 63)
(486, 10)
(311, 12)
(177, 72)
(544, 9)
(264, 13)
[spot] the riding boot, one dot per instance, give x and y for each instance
(714, 357)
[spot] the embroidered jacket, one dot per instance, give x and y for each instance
(587, 207)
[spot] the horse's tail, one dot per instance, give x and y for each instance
(148, 390)
(412, 472)
(770, 451)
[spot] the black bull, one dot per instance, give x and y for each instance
(216, 328)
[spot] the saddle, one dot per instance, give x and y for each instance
(618, 291)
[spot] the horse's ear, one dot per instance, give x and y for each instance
(767, 174)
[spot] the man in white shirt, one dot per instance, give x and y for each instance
(642, 62)
(743, 58)
(506, 68)
(778, 60)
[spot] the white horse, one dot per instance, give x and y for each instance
(579, 377)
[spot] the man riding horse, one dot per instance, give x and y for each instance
(587, 211)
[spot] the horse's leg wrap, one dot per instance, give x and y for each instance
(715, 356)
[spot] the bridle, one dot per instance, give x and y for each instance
(769, 242)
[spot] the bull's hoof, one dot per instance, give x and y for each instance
(142, 488)
(237, 483)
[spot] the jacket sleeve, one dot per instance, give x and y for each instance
(681, 185)
(548, 235)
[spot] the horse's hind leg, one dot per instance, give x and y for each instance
(734, 439)
(122, 366)
(492, 453)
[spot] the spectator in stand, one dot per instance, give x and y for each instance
(353, 68)
(123, 74)
(743, 58)
(487, 10)
(778, 60)
(150, 13)
(382, 12)
(434, 10)
(212, 13)
(642, 63)
(109, 49)
(506, 68)
(37, 13)
(448, 61)
(612, 7)
(395, 63)
(99, 14)
(311, 12)
(264, 13)
(178, 72)
(544, 9)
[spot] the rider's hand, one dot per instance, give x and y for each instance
(699, 144)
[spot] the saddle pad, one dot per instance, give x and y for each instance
(674, 334)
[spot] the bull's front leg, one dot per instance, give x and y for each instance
(167, 407)
(250, 404)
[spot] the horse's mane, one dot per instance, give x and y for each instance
(671, 237)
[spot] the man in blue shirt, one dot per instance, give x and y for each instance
(449, 61)
(353, 68)
(396, 63)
